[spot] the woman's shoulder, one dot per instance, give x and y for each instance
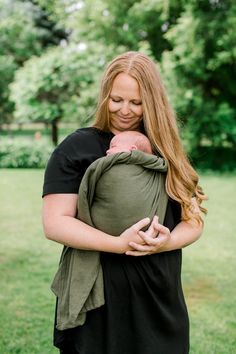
(83, 139)
(71, 158)
(87, 132)
(76, 138)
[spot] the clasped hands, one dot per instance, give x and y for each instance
(140, 243)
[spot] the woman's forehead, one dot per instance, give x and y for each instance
(124, 84)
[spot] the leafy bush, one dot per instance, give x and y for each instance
(24, 154)
(214, 158)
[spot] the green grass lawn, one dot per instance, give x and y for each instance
(28, 262)
(209, 275)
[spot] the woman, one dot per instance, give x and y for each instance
(144, 309)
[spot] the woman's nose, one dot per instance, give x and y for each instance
(125, 108)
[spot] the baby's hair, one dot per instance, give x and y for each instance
(140, 140)
(143, 143)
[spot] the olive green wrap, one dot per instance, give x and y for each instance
(116, 192)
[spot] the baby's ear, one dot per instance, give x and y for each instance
(134, 147)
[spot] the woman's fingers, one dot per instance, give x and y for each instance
(151, 244)
(141, 224)
(151, 231)
(137, 253)
(140, 247)
(132, 234)
(147, 239)
(138, 250)
(160, 229)
(139, 243)
(142, 250)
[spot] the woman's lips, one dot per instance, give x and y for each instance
(124, 118)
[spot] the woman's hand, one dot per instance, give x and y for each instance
(158, 238)
(133, 235)
(154, 240)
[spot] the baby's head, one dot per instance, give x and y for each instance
(128, 141)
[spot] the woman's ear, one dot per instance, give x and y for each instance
(134, 147)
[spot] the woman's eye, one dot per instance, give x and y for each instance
(137, 103)
(115, 100)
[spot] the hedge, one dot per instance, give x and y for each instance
(35, 154)
(24, 154)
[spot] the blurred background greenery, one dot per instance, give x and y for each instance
(52, 54)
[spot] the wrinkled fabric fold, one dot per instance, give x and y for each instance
(116, 192)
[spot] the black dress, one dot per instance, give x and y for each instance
(145, 311)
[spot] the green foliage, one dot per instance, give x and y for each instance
(18, 41)
(19, 36)
(7, 70)
(24, 31)
(24, 154)
(59, 84)
(194, 41)
(214, 158)
(136, 25)
(200, 72)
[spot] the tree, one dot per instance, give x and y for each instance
(133, 24)
(25, 30)
(7, 69)
(59, 84)
(203, 67)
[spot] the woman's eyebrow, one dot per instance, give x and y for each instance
(114, 95)
(132, 99)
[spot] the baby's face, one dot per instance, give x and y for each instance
(119, 145)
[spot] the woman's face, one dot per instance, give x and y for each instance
(125, 104)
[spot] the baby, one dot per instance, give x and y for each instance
(128, 141)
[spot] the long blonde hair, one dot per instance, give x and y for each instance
(160, 126)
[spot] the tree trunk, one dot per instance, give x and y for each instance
(55, 131)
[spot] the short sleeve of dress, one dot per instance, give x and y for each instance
(61, 175)
(69, 161)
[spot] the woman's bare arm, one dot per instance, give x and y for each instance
(61, 225)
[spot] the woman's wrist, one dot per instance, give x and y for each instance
(115, 244)
(112, 244)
